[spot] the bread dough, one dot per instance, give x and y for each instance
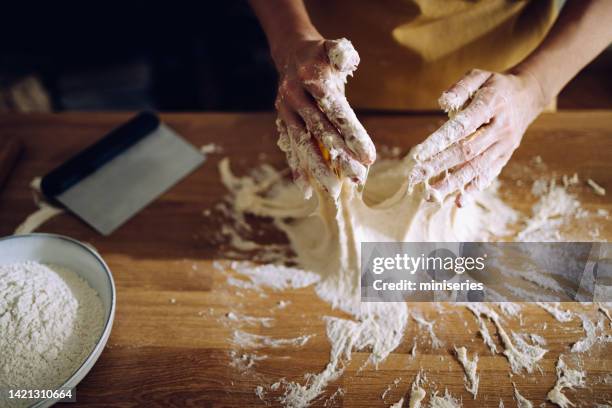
(326, 234)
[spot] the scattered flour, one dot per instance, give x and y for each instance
(417, 393)
(413, 350)
(250, 320)
(562, 316)
(445, 401)
(521, 402)
(244, 361)
(427, 325)
(469, 366)
(254, 341)
(554, 207)
(283, 304)
(520, 354)
(597, 189)
(50, 321)
(338, 393)
(591, 335)
(566, 378)
(510, 308)
(277, 277)
(260, 392)
(534, 338)
(390, 387)
(486, 335)
(379, 335)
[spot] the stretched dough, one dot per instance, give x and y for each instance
(326, 233)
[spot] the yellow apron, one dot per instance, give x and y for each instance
(411, 50)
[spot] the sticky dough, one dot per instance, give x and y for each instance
(326, 234)
(326, 231)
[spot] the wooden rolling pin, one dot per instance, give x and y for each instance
(10, 149)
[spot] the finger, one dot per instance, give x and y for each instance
(460, 93)
(461, 152)
(482, 181)
(320, 127)
(316, 122)
(285, 144)
(342, 55)
(309, 156)
(327, 88)
(288, 146)
(466, 173)
(341, 115)
(334, 148)
(351, 168)
(477, 113)
(328, 92)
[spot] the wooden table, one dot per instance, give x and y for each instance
(169, 345)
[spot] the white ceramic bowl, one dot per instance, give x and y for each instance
(79, 258)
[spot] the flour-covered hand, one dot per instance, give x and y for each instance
(489, 113)
(319, 131)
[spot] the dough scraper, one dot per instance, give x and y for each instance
(112, 180)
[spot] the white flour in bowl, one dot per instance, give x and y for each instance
(50, 320)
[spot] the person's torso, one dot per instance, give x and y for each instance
(411, 50)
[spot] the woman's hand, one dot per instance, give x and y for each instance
(319, 132)
(489, 115)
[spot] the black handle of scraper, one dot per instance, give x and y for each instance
(97, 155)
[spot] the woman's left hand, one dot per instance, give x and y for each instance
(489, 115)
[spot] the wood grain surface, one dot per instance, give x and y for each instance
(170, 344)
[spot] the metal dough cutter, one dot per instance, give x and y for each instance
(112, 180)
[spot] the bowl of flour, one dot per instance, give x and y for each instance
(57, 306)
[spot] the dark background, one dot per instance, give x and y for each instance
(170, 56)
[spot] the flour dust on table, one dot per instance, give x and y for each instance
(324, 242)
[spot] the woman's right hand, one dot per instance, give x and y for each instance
(319, 132)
